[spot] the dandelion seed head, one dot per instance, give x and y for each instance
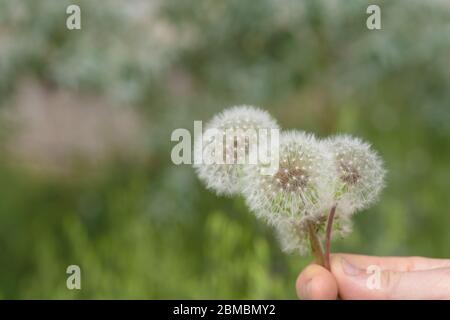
(301, 184)
(358, 170)
(294, 237)
(240, 126)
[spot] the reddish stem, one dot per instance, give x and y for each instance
(328, 237)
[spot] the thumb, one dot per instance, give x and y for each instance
(357, 279)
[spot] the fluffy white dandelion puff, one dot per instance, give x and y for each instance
(299, 190)
(292, 237)
(226, 152)
(358, 171)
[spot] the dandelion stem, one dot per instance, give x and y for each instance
(328, 237)
(316, 246)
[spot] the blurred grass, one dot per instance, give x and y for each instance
(149, 229)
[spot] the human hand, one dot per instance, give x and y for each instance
(354, 277)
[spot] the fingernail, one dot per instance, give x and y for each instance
(349, 268)
(306, 290)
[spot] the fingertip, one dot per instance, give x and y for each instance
(347, 278)
(316, 283)
(324, 287)
(350, 274)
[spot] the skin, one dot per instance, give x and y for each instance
(356, 277)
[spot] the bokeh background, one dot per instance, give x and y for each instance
(86, 118)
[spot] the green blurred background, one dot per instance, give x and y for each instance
(86, 117)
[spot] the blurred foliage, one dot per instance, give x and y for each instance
(151, 230)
